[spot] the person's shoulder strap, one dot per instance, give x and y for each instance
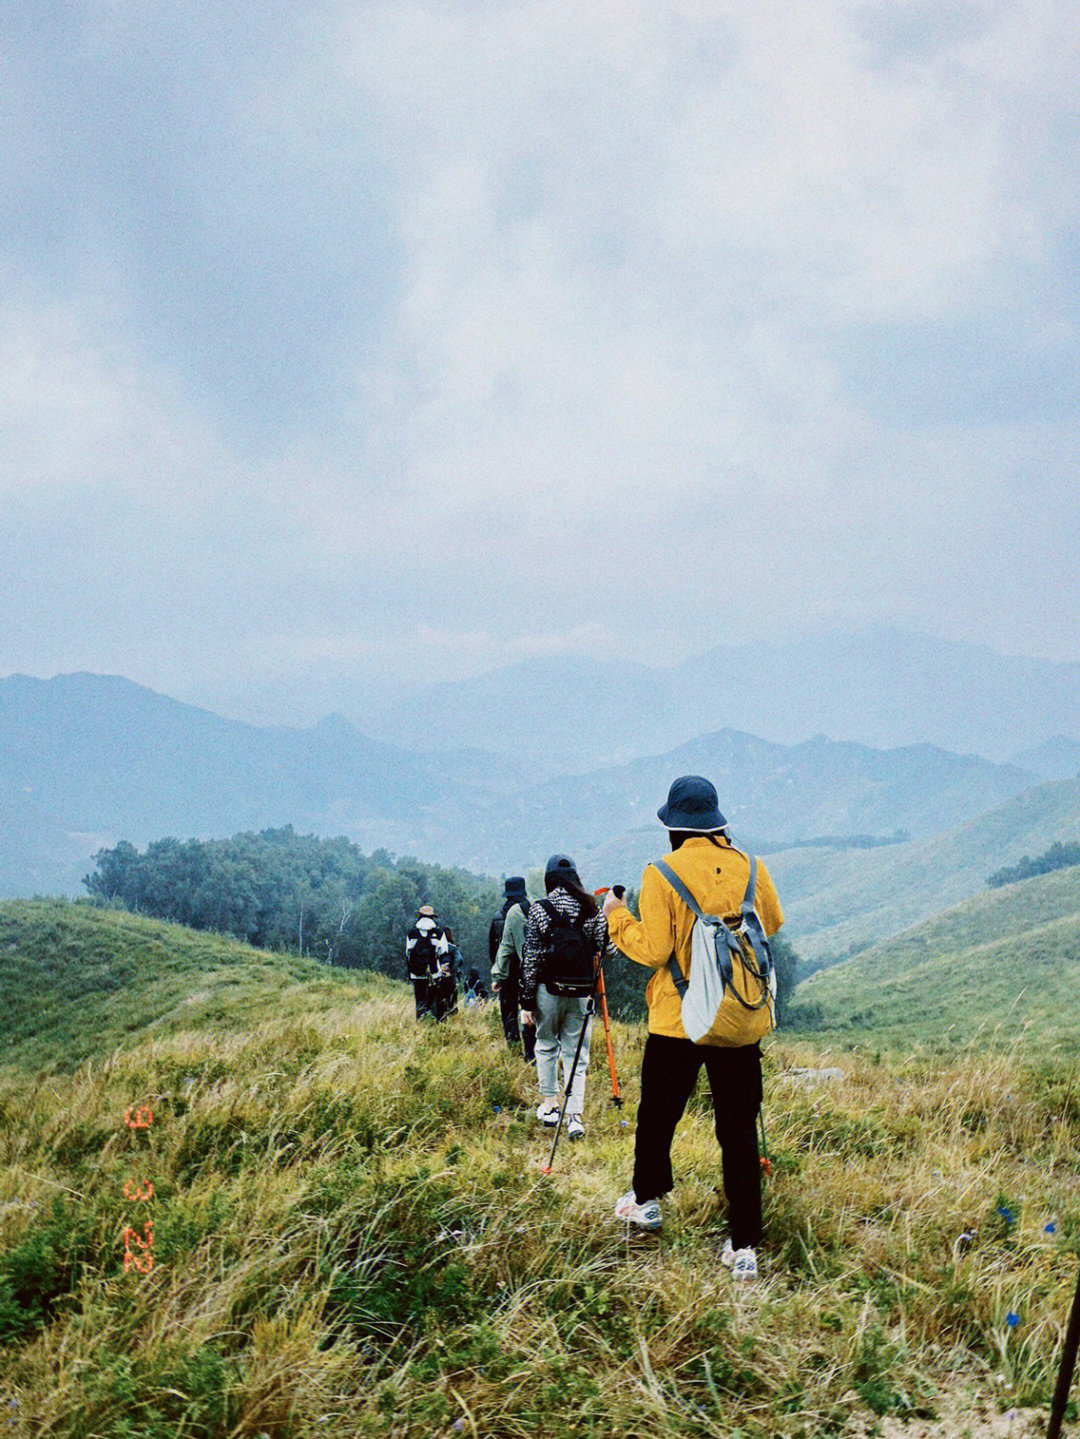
(750, 898)
(678, 886)
(557, 917)
(674, 967)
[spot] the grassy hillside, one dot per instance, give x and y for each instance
(834, 900)
(1005, 962)
(76, 982)
(352, 1233)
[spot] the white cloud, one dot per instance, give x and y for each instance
(617, 251)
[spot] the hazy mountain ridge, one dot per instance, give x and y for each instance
(880, 687)
(767, 791)
(843, 898)
(1055, 758)
(103, 757)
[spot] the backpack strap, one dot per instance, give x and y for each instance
(753, 928)
(723, 951)
(730, 944)
(557, 917)
(678, 886)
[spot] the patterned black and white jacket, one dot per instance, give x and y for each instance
(538, 930)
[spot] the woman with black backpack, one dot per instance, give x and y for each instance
(564, 939)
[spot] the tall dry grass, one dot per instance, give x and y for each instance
(353, 1235)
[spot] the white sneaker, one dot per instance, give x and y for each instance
(575, 1129)
(645, 1216)
(548, 1113)
(741, 1262)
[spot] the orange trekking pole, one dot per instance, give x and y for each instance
(616, 1097)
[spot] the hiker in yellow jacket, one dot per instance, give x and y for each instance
(716, 873)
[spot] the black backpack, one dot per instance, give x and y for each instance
(568, 969)
(423, 959)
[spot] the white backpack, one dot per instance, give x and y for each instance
(730, 997)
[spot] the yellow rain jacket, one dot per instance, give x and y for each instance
(717, 876)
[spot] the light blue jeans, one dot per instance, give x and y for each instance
(558, 1027)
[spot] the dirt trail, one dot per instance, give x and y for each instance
(963, 1415)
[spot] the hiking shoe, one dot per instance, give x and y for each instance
(548, 1113)
(575, 1129)
(741, 1262)
(645, 1216)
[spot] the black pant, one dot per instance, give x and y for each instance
(508, 1008)
(424, 994)
(669, 1071)
(446, 996)
(509, 994)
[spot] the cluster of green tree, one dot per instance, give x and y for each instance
(325, 898)
(286, 891)
(1058, 856)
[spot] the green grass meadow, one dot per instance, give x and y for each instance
(352, 1233)
(1001, 965)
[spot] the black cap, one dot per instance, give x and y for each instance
(692, 804)
(560, 869)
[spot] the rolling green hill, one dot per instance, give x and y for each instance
(77, 981)
(338, 1222)
(1003, 963)
(837, 899)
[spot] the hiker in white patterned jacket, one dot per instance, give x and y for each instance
(564, 938)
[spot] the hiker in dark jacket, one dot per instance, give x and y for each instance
(427, 961)
(509, 952)
(560, 1015)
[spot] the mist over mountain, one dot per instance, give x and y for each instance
(1057, 758)
(770, 794)
(86, 760)
(880, 686)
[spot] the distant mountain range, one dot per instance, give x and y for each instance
(770, 794)
(880, 687)
(87, 759)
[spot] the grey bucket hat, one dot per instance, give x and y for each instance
(692, 804)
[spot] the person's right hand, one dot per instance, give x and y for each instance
(495, 986)
(613, 901)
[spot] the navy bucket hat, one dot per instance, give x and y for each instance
(514, 886)
(692, 804)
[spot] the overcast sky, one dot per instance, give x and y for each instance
(407, 339)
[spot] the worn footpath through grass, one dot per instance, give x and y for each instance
(352, 1234)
